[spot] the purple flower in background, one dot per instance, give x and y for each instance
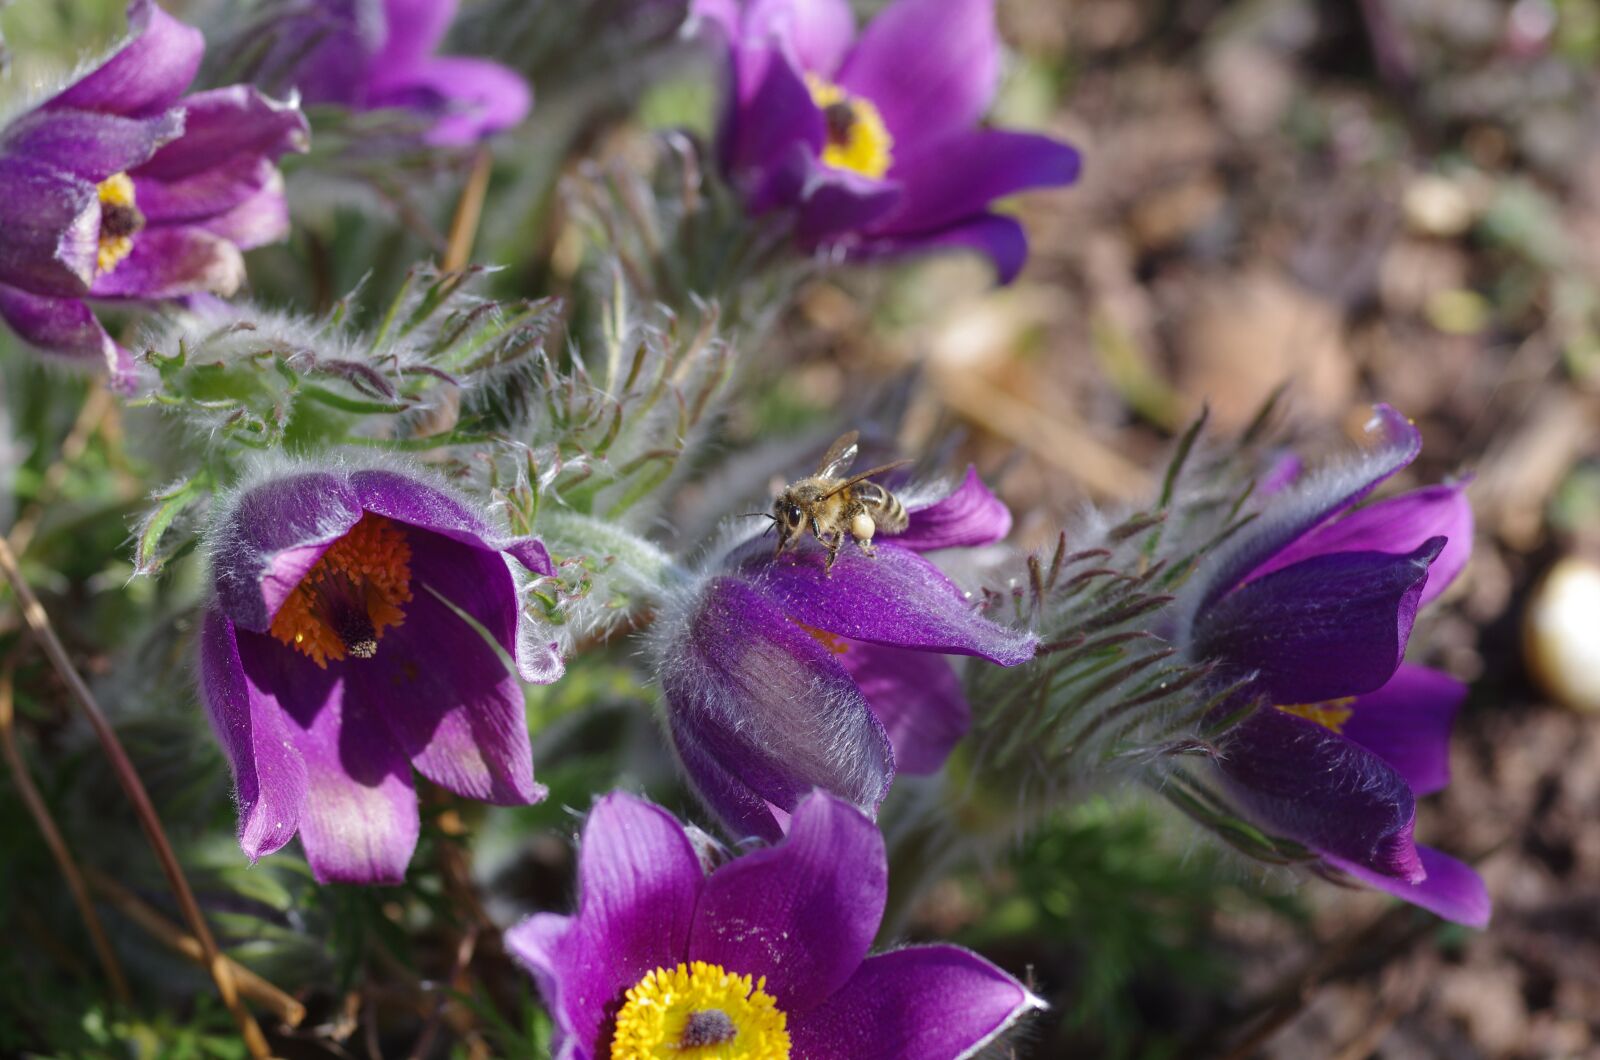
(765, 956)
(779, 677)
(335, 658)
(874, 140)
(374, 54)
(1315, 604)
(120, 187)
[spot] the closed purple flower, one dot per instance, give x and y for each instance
(1315, 605)
(779, 677)
(120, 187)
(372, 54)
(765, 956)
(356, 634)
(874, 140)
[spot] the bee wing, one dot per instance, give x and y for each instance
(853, 479)
(840, 455)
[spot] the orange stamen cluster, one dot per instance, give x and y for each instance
(356, 588)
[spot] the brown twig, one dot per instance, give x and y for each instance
(469, 210)
(264, 993)
(57, 844)
(34, 614)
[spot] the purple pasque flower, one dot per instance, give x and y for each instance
(356, 634)
(122, 188)
(874, 140)
(1314, 603)
(779, 677)
(765, 955)
(375, 54)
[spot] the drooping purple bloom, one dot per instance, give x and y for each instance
(122, 188)
(1315, 603)
(766, 954)
(779, 677)
(376, 54)
(335, 658)
(874, 140)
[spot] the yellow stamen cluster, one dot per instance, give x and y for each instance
(367, 573)
(1331, 715)
(858, 140)
(699, 1011)
(120, 221)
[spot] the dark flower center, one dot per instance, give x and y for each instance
(708, 1027)
(118, 221)
(354, 592)
(841, 119)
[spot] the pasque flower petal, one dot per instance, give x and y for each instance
(759, 694)
(65, 328)
(412, 30)
(1407, 724)
(472, 98)
(441, 688)
(269, 775)
(768, 140)
(919, 1003)
(957, 176)
(170, 262)
(638, 883)
(1330, 626)
(999, 238)
(818, 31)
(895, 598)
(89, 144)
(918, 699)
(929, 66)
(969, 515)
(802, 912)
(224, 125)
(271, 535)
(1298, 510)
(51, 222)
(1305, 782)
(147, 74)
(1398, 524)
(358, 821)
(1451, 889)
(207, 194)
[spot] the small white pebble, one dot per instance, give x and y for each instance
(1561, 634)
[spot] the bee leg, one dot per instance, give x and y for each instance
(867, 548)
(834, 544)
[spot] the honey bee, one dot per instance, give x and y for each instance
(833, 506)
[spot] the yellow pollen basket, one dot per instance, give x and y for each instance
(353, 593)
(699, 1011)
(1331, 715)
(857, 138)
(832, 641)
(120, 221)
